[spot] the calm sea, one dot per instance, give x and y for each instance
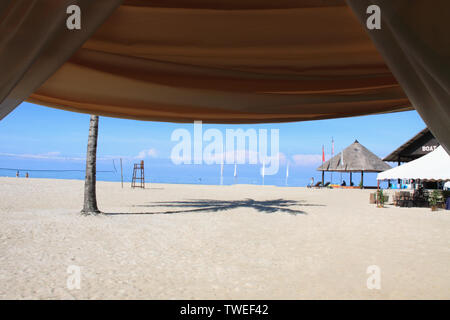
(164, 171)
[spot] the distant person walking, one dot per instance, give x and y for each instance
(26, 175)
(17, 173)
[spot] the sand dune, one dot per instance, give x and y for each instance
(216, 242)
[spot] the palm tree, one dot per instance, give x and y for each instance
(90, 196)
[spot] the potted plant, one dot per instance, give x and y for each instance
(434, 199)
(380, 198)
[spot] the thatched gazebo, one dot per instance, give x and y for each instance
(354, 158)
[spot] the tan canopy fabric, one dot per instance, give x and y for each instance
(226, 61)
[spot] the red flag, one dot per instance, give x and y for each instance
(323, 153)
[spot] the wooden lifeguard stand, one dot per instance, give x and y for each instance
(138, 180)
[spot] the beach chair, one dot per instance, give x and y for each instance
(326, 184)
(318, 185)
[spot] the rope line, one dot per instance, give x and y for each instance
(53, 170)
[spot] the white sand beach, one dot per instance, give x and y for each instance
(216, 242)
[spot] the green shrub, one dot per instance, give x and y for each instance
(445, 194)
(380, 197)
(435, 197)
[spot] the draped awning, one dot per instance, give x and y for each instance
(228, 61)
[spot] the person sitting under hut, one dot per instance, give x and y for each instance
(343, 184)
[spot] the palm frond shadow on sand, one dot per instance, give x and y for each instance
(204, 205)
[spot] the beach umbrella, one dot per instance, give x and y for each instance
(229, 61)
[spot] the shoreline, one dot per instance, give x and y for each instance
(193, 184)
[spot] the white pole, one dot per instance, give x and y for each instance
(263, 171)
(332, 155)
(121, 172)
(287, 173)
(235, 173)
(221, 173)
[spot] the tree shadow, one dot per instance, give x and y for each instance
(207, 205)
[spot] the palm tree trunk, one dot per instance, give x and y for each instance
(90, 197)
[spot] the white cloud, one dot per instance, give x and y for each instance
(245, 155)
(54, 155)
(141, 155)
(248, 157)
(305, 160)
(150, 153)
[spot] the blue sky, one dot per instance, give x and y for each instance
(40, 134)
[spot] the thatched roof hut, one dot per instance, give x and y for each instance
(355, 158)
